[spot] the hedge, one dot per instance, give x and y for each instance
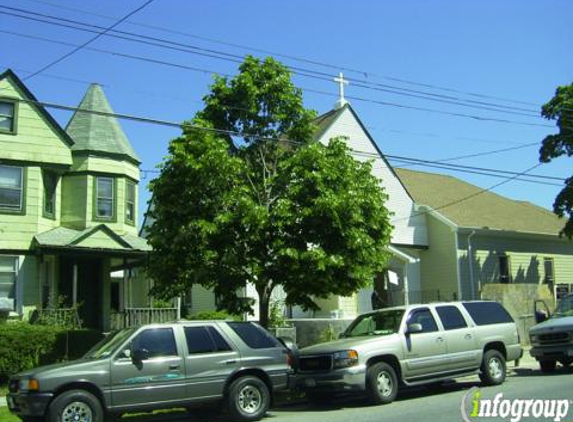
(24, 346)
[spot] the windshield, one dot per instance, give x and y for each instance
(109, 344)
(564, 307)
(378, 323)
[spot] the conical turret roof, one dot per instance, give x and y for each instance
(98, 133)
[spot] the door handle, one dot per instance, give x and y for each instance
(230, 361)
(468, 336)
(174, 366)
(439, 340)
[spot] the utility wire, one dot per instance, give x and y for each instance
(360, 99)
(169, 44)
(85, 44)
(363, 73)
(185, 125)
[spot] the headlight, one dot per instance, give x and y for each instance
(28, 384)
(345, 359)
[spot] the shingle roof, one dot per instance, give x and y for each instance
(98, 133)
(480, 210)
(64, 237)
(324, 121)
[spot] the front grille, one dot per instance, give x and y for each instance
(553, 338)
(13, 385)
(315, 363)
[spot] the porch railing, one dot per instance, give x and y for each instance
(59, 317)
(134, 317)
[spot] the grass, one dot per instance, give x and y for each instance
(6, 416)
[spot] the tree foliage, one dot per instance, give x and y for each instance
(560, 108)
(256, 200)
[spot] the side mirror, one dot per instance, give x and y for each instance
(414, 328)
(540, 316)
(140, 355)
(341, 335)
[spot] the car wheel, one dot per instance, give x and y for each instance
(248, 398)
(75, 405)
(381, 383)
(493, 368)
(547, 365)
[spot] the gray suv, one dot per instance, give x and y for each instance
(155, 366)
(411, 345)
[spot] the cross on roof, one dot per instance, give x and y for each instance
(341, 82)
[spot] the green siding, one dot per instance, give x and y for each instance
(526, 259)
(28, 276)
(439, 262)
(105, 165)
(76, 195)
(35, 140)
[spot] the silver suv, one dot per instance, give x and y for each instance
(154, 366)
(412, 345)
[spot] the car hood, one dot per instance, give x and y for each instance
(552, 324)
(346, 344)
(79, 366)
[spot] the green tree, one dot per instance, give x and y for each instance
(255, 200)
(560, 108)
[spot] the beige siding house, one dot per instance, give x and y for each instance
(486, 246)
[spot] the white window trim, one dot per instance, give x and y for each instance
(21, 189)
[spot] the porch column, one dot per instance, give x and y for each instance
(406, 287)
(75, 285)
(105, 294)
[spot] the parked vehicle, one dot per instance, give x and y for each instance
(552, 338)
(412, 345)
(154, 366)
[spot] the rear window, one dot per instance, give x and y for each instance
(486, 313)
(254, 336)
(451, 317)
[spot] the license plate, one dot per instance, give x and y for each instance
(310, 382)
(10, 401)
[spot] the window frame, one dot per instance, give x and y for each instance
(550, 259)
(113, 217)
(508, 277)
(130, 183)
(47, 214)
(21, 210)
(15, 275)
(14, 126)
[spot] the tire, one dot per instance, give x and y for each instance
(493, 368)
(248, 398)
(381, 383)
(547, 365)
(75, 402)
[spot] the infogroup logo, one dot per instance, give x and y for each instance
(474, 407)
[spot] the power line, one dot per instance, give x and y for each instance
(85, 44)
(192, 49)
(366, 154)
(360, 99)
(365, 74)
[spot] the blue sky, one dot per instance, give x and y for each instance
(513, 50)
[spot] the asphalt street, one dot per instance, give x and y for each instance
(433, 404)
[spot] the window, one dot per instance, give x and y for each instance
(451, 317)
(425, 319)
(50, 185)
(486, 313)
(205, 340)
(158, 342)
(130, 202)
(105, 197)
(7, 116)
(254, 336)
(504, 269)
(549, 269)
(11, 188)
(8, 267)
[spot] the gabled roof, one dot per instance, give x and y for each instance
(100, 237)
(446, 195)
(9, 74)
(97, 133)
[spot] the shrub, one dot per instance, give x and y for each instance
(210, 315)
(23, 345)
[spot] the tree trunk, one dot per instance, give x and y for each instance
(264, 299)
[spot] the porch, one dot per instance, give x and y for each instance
(134, 317)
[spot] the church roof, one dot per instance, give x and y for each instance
(99, 133)
(467, 205)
